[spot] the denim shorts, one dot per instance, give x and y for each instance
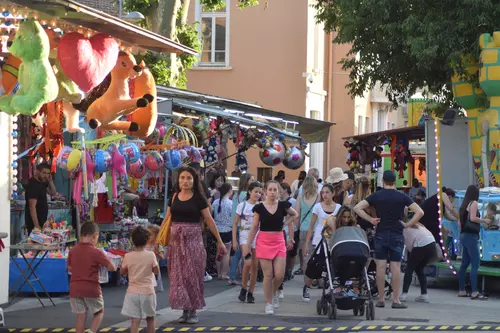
(389, 245)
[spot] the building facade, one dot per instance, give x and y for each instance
(374, 112)
(279, 58)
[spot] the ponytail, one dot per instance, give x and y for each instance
(223, 190)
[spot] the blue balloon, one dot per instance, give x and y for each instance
(172, 159)
(130, 151)
(102, 161)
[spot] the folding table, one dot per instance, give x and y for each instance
(31, 267)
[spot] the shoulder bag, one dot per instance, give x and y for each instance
(164, 234)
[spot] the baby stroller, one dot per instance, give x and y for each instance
(345, 266)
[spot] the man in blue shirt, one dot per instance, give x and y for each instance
(390, 205)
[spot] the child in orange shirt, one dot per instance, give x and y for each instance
(140, 266)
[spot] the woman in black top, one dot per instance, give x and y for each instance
(268, 221)
(186, 253)
(470, 224)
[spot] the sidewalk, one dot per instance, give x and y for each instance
(224, 312)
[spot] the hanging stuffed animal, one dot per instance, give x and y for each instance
(116, 101)
(241, 165)
(37, 82)
(145, 117)
(10, 72)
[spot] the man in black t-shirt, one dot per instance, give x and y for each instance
(390, 205)
(37, 209)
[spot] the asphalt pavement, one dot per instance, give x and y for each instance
(224, 313)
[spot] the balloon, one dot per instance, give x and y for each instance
(154, 161)
(274, 154)
(294, 158)
(183, 154)
(74, 159)
(62, 159)
(90, 167)
(138, 169)
(102, 161)
(194, 154)
(118, 166)
(130, 151)
(172, 159)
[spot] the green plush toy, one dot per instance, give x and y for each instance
(68, 90)
(37, 81)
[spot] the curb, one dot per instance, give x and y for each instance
(372, 328)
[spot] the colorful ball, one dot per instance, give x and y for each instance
(294, 158)
(274, 154)
(137, 170)
(183, 153)
(102, 161)
(154, 161)
(130, 151)
(74, 159)
(194, 154)
(172, 159)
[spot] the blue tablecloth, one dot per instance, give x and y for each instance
(51, 272)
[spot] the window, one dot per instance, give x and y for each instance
(367, 125)
(264, 174)
(214, 36)
(360, 124)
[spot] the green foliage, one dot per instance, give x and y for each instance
(158, 65)
(407, 44)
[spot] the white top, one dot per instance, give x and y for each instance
(417, 237)
(320, 221)
(245, 212)
(101, 185)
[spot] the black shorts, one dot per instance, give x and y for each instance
(227, 237)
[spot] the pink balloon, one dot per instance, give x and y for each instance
(90, 167)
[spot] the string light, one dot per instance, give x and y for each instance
(14, 164)
(440, 193)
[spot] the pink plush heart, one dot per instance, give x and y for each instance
(87, 61)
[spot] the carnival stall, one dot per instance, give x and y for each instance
(81, 101)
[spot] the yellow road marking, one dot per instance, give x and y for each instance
(386, 327)
(230, 328)
(198, 329)
(401, 327)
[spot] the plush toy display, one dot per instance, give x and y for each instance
(87, 61)
(116, 101)
(38, 84)
(10, 72)
(72, 116)
(145, 117)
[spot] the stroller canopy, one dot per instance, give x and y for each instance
(349, 234)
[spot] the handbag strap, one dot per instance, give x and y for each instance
(309, 211)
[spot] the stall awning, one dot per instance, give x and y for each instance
(219, 112)
(90, 18)
(311, 130)
(376, 138)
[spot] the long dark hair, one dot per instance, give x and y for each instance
(197, 187)
(251, 187)
(214, 175)
(472, 194)
(223, 190)
(327, 186)
(338, 217)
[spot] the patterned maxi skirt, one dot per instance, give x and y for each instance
(186, 259)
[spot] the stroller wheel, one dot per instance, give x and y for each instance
(370, 311)
(362, 310)
(355, 311)
(325, 308)
(332, 311)
(319, 307)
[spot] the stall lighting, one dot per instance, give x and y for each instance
(177, 114)
(253, 115)
(440, 193)
(234, 111)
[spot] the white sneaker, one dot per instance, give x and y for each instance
(207, 278)
(269, 309)
(403, 297)
(422, 298)
(281, 294)
(276, 301)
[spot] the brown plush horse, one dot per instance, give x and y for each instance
(116, 101)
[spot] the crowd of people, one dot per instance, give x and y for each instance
(264, 228)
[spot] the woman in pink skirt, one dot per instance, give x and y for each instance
(186, 253)
(269, 219)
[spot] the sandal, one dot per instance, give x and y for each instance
(465, 294)
(233, 283)
(479, 297)
(380, 304)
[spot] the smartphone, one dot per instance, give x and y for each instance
(248, 256)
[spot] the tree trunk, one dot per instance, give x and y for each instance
(163, 20)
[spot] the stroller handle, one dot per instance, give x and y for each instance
(3, 235)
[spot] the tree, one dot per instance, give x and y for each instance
(407, 44)
(170, 19)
